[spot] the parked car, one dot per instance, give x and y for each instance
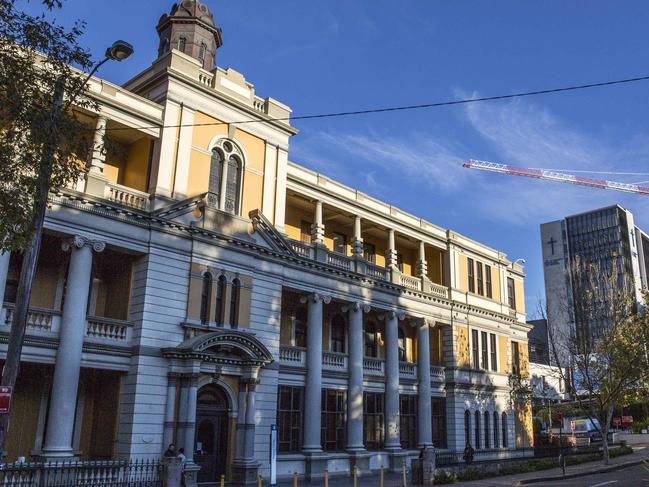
(586, 430)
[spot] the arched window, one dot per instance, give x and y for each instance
(201, 52)
(504, 428)
(205, 299)
(182, 43)
(467, 427)
(226, 171)
(371, 339)
(403, 356)
(299, 333)
(233, 185)
(477, 430)
(234, 303)
(220, 296)
(487, 436)
(338, 333)
(496, 442)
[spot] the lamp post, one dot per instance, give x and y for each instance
(118, 51)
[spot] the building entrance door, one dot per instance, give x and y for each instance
(211, 449)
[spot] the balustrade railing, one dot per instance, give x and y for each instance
(374, 366)
(437, 373)
(108, 329)
(292, 356)
(410, 282)
(339, 260)
(260, 105)
(301, 248)
(436, 289)
(408, 369)
(376, 271)
(127, 196)
(38, 319)
(334, 361)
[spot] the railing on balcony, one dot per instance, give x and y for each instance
(38, 319)
(374, 366)
(407, 369)
(292, 356)
(377, 272)
(302, 249)
(260, 105)
(339, 260)
(108, 329)
(127, 196)
(437, 373)
(436, 289)
(410, 282)
(334, 361)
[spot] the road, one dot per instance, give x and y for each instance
(628, 477)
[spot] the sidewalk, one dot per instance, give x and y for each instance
(395, 479)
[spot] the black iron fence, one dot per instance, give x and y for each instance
(118, 473)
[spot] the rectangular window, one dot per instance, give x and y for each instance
(305, 231)
(494, 364)
(484, 349)
(471, 275)
(408, 420)
(487, 273)
(516, 365)
(289, 418)
(474, 348)
(369, 252)
(340, 243)
(337, 330)
(480, 280)
(371, 339)
(438, 407)
(373, 420)
(332, 420)
(511, 296)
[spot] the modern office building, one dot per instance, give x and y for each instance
(603, 237)
(198, 288)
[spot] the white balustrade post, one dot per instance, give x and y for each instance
(317, 229)
(355, 390)
(392, 416)
(357, 242)
(391, 251)
(424, 421)
(422, 265)
(63, 399)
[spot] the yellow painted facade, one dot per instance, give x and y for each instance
(523, 425)
(435, 260)
(462, 356)
(520, 296)
(136, 169)
(503, 343)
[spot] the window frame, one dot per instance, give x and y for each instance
(477, 429)
(333, 418)
(235, 295)
(376, 419)
(295, 420)
(475, 352)
(504, 428)
(516, 358)
(467, 427)
(511, 293)
(479, 279)
(369, 252)
(487, 433)
(484, 350)
(493, 345)
(438, 423)
(305, 231)
(338, 342)
(496, 433)
(206, 298)
(408, 416)
(219, 305)
(487, 269)
(470, 275)
(339, 236)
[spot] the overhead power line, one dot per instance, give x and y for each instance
(463, 101)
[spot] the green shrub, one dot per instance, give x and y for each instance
(619, 451)
(444, 477)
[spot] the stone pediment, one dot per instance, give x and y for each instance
(231, 347)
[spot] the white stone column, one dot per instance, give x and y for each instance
(98, 149)
(4, 270)
(422, 265)
(170, 413)
(392, 416)
(391, 251)
(357, 241)
(317, 229)
(63, 398)
(190, 419)
(241, 422)
(312, 402)
(424, 421)
(355, 367)
(251, 409)
(224, 184)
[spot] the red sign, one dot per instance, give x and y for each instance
(5, 399)
(627, 419)
(617, 422)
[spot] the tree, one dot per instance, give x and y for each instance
(42, 141)
(602, 357)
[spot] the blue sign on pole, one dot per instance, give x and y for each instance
(273, 454)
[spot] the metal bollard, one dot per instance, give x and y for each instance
(258, 480)
(382, 481)
(403, 472)
(355, 475)
(222, 480)
(294, 479)
(326, 477)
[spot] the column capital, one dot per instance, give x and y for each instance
(80, 241)
(393, 314)
(357, 306)
(420, 321)
(315, 297)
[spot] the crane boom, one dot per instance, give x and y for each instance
(555, 176)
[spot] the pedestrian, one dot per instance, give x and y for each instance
(170, 452)
(468, 453)
(183, 460)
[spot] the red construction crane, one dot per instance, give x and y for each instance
(555, 176)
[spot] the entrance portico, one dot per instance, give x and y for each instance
(216, 374)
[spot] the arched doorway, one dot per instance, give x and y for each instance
(211, 449)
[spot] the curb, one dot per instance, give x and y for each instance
(611, 468)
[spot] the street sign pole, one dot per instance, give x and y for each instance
(273, 454)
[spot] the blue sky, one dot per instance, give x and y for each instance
(337, 55)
